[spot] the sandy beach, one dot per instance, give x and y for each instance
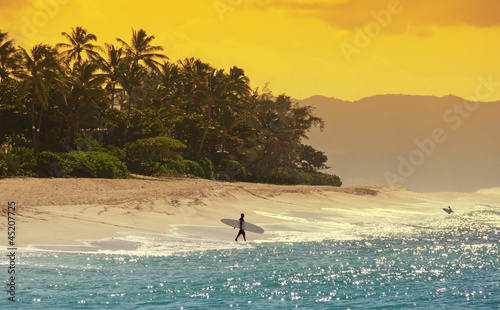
(58, 213)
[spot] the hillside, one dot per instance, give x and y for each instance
(424, 143)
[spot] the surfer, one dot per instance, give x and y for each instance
(241, 232)
(448, 210)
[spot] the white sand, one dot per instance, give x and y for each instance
(71, 213)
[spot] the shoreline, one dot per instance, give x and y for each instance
(78, 213)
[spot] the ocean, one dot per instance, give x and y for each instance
(399, 259)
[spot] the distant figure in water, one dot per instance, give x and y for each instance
(449, 210)
(241, 232)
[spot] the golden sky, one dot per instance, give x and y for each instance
(348, 49)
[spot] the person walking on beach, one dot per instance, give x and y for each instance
(241, 232)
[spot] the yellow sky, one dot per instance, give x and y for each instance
(348, 49)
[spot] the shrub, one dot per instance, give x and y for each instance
(108, 166)
(139, 167)
(21, 161)
(194, 168)
(231, 170)
(96, 165)
(311, 178)
(292, 177)
(4, 169)
(80, 165)
(208, 168)
(149, 156)
(89, 141)
(172, 167)
(51, 165)
(159, 149)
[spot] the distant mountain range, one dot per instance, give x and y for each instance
(424, 143)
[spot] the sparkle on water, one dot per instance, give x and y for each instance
(451, 262)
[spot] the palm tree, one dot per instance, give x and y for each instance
(140, 49)
(209, 90)
(130, 76)
(41, 72)
(169, 78)
(228, 120)
(79, 42)
(239, 84)
(193, 72)
(111, 66)
(9, 57)
(84, 91)
(238, 93)
(279, 125)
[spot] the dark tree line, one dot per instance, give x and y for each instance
(119, 98)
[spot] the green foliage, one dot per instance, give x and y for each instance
(13, 165)
(87, 142)
(208, 168)
(270, 179)
(126, 102)
(185, 167)
(95, 165)
(314, 179)
(119, 153)
(149, 156)
(17, 140)
(175, 167)
(4, 169)
(158, 149)
(80, 165)
(21, 162)
(108, 166)
(141, 124)
(193, 168)
(318, 179)
(24, 162)
(231, 170)
(310, 160)
(51, 165)
(13, 111)
(294, 177)
(143, 168)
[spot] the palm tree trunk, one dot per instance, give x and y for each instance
(38, 129)
(33, 126)
(129, 93)
(70, 135)
(205, 131)
(224, 134)
(113, 89)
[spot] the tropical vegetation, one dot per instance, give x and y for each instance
(80, 109)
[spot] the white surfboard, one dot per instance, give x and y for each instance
(447, 210)
(246, 226)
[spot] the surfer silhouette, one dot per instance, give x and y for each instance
(241, 232)
(448, 210)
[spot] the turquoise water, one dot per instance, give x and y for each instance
(452, 262)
